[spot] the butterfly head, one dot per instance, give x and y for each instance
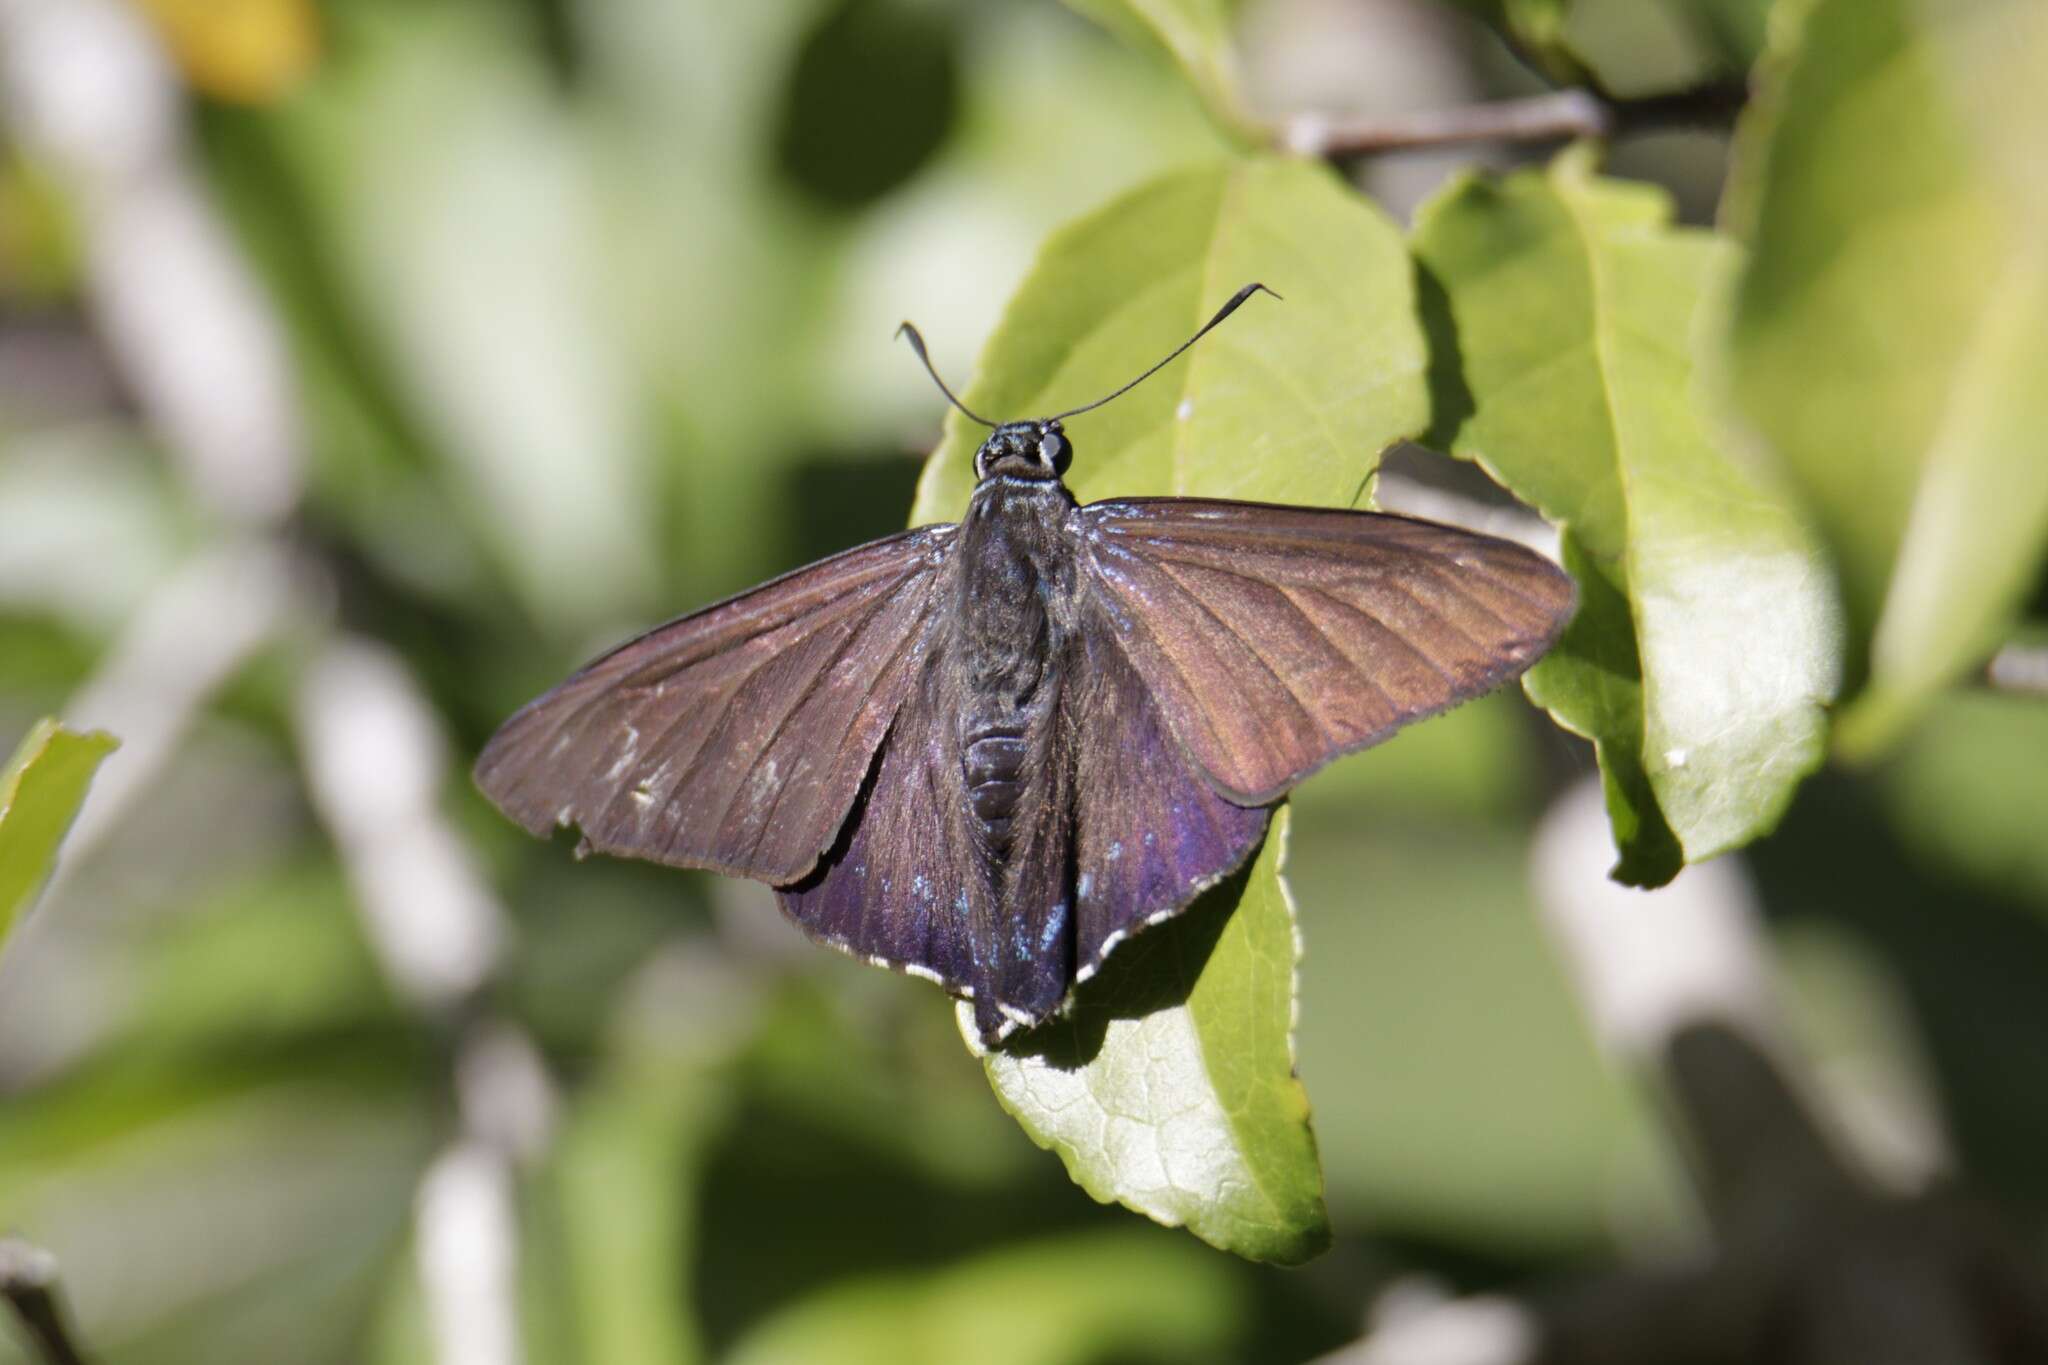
(1030, 450)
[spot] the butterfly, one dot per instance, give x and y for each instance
(986, 753)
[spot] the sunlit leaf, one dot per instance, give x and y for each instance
(1565, 309)
(1287, 402)
(41, 789)
(1171, 1087)
(1891, 330)
(1198, 36)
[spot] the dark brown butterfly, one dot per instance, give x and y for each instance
(985, 753)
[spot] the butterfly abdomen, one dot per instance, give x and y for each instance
(993, 764)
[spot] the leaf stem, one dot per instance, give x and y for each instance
(1553, 117)
(28, 1281)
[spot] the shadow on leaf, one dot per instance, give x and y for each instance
(1155, 969)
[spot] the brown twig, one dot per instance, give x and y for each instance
(28, 1281)
(1553, 117)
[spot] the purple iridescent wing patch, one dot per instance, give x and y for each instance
(903, 884)
(1151, 834)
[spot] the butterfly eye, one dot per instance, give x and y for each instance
(1053, 450)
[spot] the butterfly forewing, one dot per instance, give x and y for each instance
(736, 738)
(1276, 638)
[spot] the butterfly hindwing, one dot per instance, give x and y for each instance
(1151, 834)
(1274, 639)
(913, 883)
(735, 738)
(904, 883)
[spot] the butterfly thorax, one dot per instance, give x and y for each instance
(1015, 616)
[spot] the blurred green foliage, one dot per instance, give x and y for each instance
(587, 308)
(41, 789)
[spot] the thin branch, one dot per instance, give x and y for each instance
(28, 1281)
(1555, 117)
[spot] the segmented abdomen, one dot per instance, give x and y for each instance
(993, 763)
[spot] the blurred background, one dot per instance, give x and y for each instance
(365, 366)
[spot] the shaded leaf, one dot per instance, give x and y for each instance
(1198, 36)
(505, 348)
(1565, 309)
(1536, 30)
(622, 1186)
(1967, 789)
(1733, 30)
(41, 790)
(1120, 1296)
(1480, 1109)
(849, 163)
(1171, 1088)
(1891, 329)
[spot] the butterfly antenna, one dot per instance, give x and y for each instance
(917, 344)
(1236, 300)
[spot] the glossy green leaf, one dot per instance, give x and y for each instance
(1170, 1087)
(1891, 331)
(1198, 36)
(1120, 1296)
(1565, 309)
(41, 790)
(1289, 401)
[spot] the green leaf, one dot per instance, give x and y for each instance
(1287, 402)
(1565, 309)
(1891, 330)
(1536, 1140)
(1198, 36)
(1119, 1296)
(41, 790)
(1170, 1087)
(1536, 29)
(1967, 788)
(1734, 31)
(623, 1187)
